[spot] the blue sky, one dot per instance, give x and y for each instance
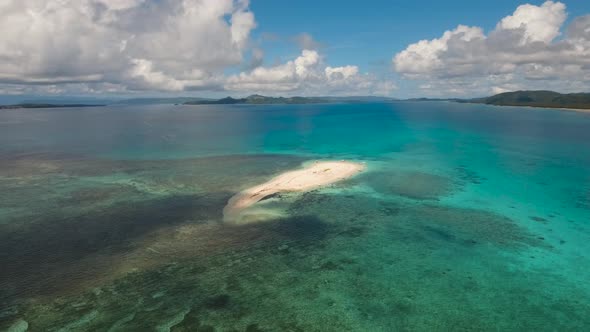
(371, 33)
(452, 48)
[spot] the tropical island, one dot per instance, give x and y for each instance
(543, 99)
(265, 100)
(547, 99)
(257, 100)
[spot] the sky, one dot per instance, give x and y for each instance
(214, 48)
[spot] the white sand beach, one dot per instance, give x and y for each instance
(312, 176)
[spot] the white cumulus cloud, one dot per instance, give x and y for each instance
(125, 46)
(538, 23)
(139, 44)
(308, 75)
(527, 50)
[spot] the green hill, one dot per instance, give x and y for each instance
(549, 99)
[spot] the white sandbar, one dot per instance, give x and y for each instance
(313, 176)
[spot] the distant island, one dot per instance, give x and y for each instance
(32, 105)
(434, 99)
(48, 102)
(158, 101)
(547, 99)
(264, 100)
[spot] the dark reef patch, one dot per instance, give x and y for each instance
(307, 199)
(217, 302)
(71, 209)
(539, 219)
(254, 328)
(42, 254)
(390, 210)
(464, 227)
(191, 322)
(439, 233)
(301, 228)
(410, 184)
(467, 175)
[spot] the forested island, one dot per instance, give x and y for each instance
(262, 100)
(258, 100)
(548, 99)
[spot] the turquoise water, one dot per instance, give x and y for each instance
(468, 217)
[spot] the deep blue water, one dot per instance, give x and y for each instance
(469, 217)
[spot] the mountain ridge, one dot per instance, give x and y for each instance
(535, 98)
(257, 99)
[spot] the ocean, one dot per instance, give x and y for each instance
(467, 218)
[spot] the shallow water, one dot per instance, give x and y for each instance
(468, 217)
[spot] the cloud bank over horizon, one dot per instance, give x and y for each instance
(133, 44)
(85, 47)
(530, 49)
(97, 46)
(307, 74)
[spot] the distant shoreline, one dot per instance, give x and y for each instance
(537, 99)
(29, 106)
(579, 110)
(297, 100)
(48, 106)
(572, 102)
